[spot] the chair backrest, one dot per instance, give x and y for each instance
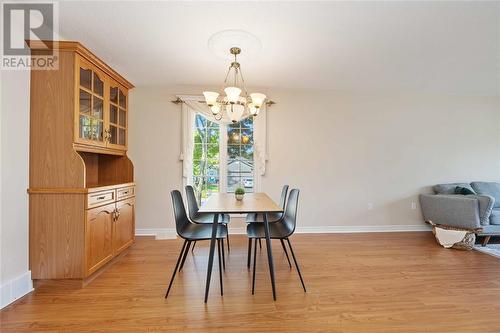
(290, 218)
(192, 202)
(284, 192)
(181, 219)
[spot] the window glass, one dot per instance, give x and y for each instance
(237, 157)
(205, 158)
(240, 164)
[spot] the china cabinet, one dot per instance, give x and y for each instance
(82, 190)
(100, 111)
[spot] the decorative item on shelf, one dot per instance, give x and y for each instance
(239, 193)
(234, 103)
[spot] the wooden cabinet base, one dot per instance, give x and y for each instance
(73, 235)
(73, 284)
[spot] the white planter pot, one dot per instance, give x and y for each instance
(239, 197)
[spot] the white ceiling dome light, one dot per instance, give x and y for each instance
(220, 43)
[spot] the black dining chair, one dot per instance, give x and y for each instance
(192, 232)
(281, 230)
(202, 218)
(271, 217)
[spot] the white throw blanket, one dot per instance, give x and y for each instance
(449, 237)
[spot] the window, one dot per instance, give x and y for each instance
(223, 157)
(206, 157)
(240, 164)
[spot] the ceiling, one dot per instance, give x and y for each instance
(371, 47)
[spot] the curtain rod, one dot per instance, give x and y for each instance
(178, 100)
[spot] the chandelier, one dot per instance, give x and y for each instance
(236, 101)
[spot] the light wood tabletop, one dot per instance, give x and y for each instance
(252, 203)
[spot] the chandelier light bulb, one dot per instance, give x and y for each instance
(215, 109)
(211, 97)
(257, 99)
(235, 112)
(233, 94)
(253, 110)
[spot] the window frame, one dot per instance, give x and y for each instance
(223, 157)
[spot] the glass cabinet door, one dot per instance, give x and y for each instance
(91, 105)
(117, 132)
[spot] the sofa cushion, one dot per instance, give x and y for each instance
(495, 217)
(492, 229)
(450, 188)
(463, 190)
(487, 188)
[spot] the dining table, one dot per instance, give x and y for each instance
(226, 203)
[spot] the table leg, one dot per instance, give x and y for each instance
(211, 254)
(269, 254)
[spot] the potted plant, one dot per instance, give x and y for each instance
(239, 193)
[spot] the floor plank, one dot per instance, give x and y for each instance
(377, 282)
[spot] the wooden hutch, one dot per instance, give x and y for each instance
(81, 189)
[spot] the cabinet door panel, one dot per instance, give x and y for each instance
(90, 107)
(98, 87)
(86, 77)
(85, 102)
(124, 225)
(99, 242)
(117, 118)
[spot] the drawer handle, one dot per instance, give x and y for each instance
(126, 192)
(101, 197)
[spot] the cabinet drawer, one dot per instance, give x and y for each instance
(100, 198)
(125, 192)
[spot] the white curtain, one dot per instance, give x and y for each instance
(187, 143)
(260, 141)
(194, 104)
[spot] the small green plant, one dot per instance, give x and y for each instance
(239, 191)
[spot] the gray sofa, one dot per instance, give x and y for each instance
(480, 210)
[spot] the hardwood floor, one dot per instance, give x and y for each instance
(393, 282)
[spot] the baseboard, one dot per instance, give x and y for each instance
(159, 233)
(362, 228)
(16, 288)
(170, 233)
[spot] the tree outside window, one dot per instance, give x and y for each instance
(205, 158)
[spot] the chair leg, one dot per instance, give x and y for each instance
(223, 254)
(260, 243)
(185, 255)
(194, 244)
(486, 240)
(296, 265)
(176, 266)
(254, 263)
(249, 255)
(286, 252)
(228, 248)
(220, 265)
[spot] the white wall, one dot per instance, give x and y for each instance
(15, 278)
(343, 151)
(154, 148)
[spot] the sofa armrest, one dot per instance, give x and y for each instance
(486, 203)
(452, 210)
